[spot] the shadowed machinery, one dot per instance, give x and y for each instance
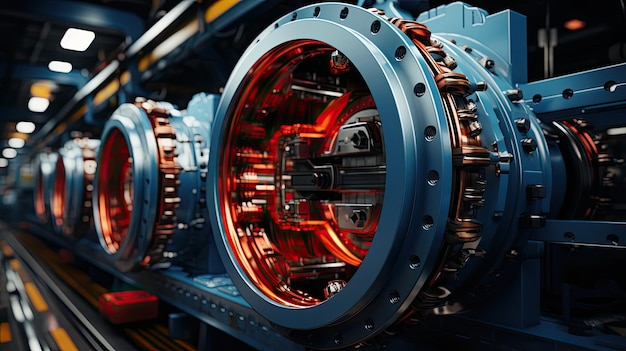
(357, 176)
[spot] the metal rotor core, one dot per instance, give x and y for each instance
(305, 170)
(71, 201)
(137, 185)
(40, 206)
(58, 199)
(115, 195)
(44, 185)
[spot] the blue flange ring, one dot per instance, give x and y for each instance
(354, 178)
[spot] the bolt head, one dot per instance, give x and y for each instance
(523, 124)
(529, 145)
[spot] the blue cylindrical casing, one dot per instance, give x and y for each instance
(73, 186)
(142, 186)
(476, 160)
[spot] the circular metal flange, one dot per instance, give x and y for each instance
(321, 99)
(44, 166)
(481, 268)
(585, 161)
(191, 245)
(136, 182)
(171, 177)
(73, 186)
(396, 264)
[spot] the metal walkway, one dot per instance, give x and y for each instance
(46, 304)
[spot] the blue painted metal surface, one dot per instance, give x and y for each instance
(193, 241)
(578, 93)
(518, 227)
(578, 232)
(191, 244)
(521, 162)
(409, 158)
(506, 203)
(482, 36)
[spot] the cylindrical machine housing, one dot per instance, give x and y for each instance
(71, 203)
(44, 167)
(150, 204)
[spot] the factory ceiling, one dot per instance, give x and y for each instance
(32, 31)
(31, 34)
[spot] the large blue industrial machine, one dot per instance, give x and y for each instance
(366, 179)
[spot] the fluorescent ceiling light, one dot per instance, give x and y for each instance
(9, 153)
(77, 39)
(616, 131)
(3, 162)
(25, 127)
(16, 143)
(60, 66)
(38, 104)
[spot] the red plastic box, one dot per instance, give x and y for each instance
(129, 306)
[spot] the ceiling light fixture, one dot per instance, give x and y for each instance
(616, 131)
(77, 39)
(25, 127)
(3, 162)
(9, 153)
(60, 66)
(38, 104)
(16, 143)
(574, 24)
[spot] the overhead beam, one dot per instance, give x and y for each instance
(45, 134)
(234, 10)
(77, 13)
(48, 130)
(158, 28)
(36, 72)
